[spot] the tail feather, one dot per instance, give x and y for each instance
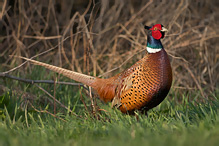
(85, 79)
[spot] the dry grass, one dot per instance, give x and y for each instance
(96, 37)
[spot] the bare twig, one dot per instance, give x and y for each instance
(62, 105)
(121, 64)
(2, 75)
(41, 37)
(54, 95)
(195, 80)
(81, 97)
(3, 9)
(45, 111)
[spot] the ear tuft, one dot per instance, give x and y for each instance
(147, 27)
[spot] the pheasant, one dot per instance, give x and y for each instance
(141, 87)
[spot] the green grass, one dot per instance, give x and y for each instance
(179, 120)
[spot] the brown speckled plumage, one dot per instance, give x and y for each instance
(141, 87)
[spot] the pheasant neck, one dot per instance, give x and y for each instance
(153, 45)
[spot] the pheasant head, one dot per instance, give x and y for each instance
(156, 32)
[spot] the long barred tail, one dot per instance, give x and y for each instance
(82, 78)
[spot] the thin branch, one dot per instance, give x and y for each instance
(2, 75)
(3, 9)
(122, 63)
(42, 37)
(45, 111)
(62, 105)
(195, 80)
(54, 95)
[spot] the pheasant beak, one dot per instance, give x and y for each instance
(163, 29)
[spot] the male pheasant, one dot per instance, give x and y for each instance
(141, 87)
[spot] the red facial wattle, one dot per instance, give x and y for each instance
(156, 34)
(156, 31)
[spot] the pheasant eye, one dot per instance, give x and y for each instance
(155, 28)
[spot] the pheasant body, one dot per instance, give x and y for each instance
(150, 83)
(141, 87)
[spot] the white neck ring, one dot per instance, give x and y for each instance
(153, 50)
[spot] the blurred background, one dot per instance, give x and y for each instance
(104, 37)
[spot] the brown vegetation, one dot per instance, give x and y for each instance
(104, 37)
